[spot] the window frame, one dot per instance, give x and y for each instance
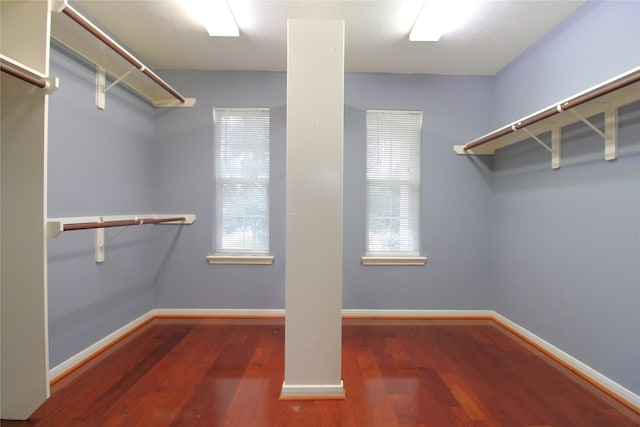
(410, 186)
(230, 255)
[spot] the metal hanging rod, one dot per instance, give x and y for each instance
(55, 226)
(590, 95)
(123, 223)
(19, 74)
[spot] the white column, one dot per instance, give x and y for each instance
(313, 271)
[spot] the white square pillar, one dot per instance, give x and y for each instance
(313, 264)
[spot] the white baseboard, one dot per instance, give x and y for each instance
(98, 347)
(300, 391)
(575, 364)
(418, 313)
(218, 312)
(315, 391)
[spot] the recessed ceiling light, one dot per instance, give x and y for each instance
(214, 15)
(440, 16)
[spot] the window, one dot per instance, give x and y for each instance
(393, 183)
(241, 181)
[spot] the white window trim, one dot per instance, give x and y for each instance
(248, 257)
(394, 260)
(240, 259)
(400, 258)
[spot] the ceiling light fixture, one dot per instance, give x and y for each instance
(214, 15)
(440, 16)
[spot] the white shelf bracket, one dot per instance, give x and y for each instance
(541, 142)
(100, 244)
(610, 134)
(102, 88)
(556, 140)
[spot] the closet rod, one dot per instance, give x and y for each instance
(564, 106)
(122, 223)
(6, 68)
(87, 25)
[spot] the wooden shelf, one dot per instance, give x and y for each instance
(75, 31)
(604, 98)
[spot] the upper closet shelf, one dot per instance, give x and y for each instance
(75, 31)
(604, 98)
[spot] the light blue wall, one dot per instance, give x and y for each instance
(99, 164)
(183, 181)
(566, 243)
(453, 187)
(455, 197)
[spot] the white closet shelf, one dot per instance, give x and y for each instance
(606, 98)
(55, 226)
(75, 31)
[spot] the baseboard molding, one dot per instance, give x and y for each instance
(604, 383)
(218, 312)
(74, 362)
(418, 314)
(315, 392)
(300, 392)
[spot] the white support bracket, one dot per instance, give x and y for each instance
(100, 244)
(556, 140)
(610, 134)
(102, 88)
(541, 142)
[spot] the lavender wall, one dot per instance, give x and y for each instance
(99, 164)
(566, 243)
(452, 188)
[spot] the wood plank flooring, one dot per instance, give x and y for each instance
(226, 372)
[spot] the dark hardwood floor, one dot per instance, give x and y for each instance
(225, 372)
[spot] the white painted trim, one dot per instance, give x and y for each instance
(417, 313)
(315, 391)
(240, 259)
(97, 347)
(571, 361)
(219, 312)
(394, 260)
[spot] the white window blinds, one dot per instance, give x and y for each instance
(242, 180)
(393, 182)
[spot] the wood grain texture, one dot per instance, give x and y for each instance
(229, 372)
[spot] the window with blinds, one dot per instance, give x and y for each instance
(241, 180)
(393, 182)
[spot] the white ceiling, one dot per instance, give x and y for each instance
(376, 34)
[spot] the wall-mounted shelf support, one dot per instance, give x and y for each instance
(101, 81)
(75, 31)
(606, 98)
(556, 140)
(541, 142)
(610, 134)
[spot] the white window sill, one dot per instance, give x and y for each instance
(240, 259)
(394, 260)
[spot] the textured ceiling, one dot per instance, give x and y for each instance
(376, 34)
